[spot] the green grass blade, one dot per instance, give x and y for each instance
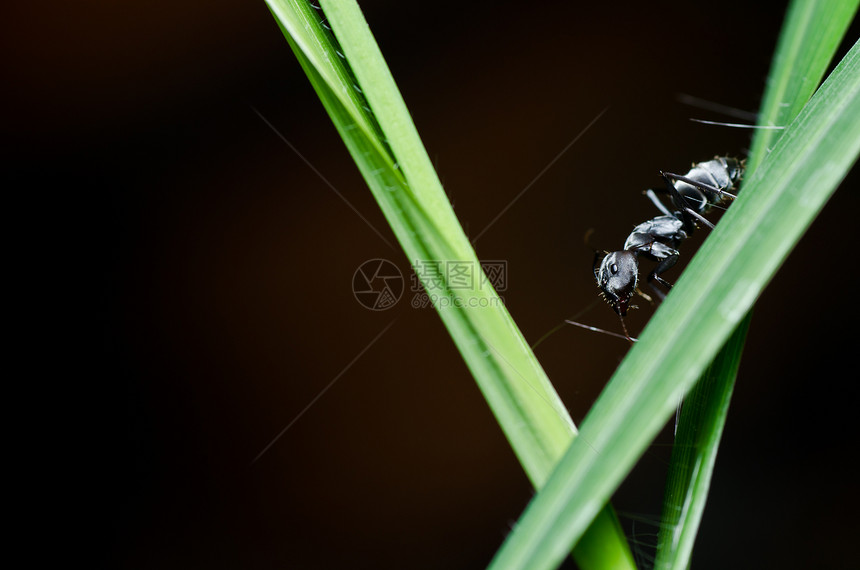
(695, 452)
(779, 201)
(371, 117)
(810, 35)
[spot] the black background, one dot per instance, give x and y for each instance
(219, 267)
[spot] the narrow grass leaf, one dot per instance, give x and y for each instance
(813, 29)
(356, 88)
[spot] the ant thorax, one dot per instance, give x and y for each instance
(709, 183)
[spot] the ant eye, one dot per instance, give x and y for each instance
(613, 268)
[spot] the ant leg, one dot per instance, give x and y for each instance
(662, 281)
(660, 294)
(663, 266)
(657, 292)
(699, 185)
(687, 214)
(656, 201)
(699, 217)
(644, 295)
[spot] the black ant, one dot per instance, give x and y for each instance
(707, 184)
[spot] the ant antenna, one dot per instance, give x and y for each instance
(706, 105)
(738, 125)
(559, 326)
(625, 336)
(586, 238)
(551, 332)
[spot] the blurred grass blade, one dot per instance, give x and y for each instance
(371, 117)
(779, 201)
(810, 36)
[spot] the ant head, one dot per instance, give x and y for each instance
(617, 278)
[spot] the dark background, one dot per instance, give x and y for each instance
(219, 268)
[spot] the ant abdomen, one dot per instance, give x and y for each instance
(709, 183)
